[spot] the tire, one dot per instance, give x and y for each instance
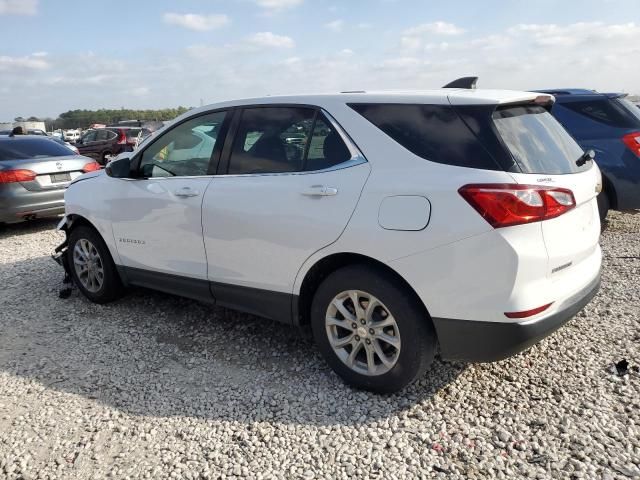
(85, 239)
(413, 331)
(603, 207)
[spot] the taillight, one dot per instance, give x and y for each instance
(505, 205)
(632, 141)
(13, 176)
(91, 167)
(122, 137)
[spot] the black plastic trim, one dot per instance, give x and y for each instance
(263, 303)
(276, 306)
(175, 284)
(478, 341)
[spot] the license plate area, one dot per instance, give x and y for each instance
(60, 177)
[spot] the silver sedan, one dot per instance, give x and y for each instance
(34, 172)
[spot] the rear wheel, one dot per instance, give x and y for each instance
(374, 334)
(92, 267)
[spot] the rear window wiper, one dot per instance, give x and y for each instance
(587, 156)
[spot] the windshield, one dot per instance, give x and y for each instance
(538, 143)
(26, 148)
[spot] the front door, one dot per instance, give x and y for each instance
(291, 185)
(158, 224)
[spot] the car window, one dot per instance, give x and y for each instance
(89, 137)
(326, 148)
(185, 150)
(132, 133)
(271, 140)
(433, 132)
(538, 143)
(34, 147)
(608, 111)
(103, 135)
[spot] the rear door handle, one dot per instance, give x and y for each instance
(320, 191)
(186, 192)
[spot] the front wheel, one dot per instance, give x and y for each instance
(373, 333)
(92, 267)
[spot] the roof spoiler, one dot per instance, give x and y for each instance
(464, 82)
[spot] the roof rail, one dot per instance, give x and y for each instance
(464, 82)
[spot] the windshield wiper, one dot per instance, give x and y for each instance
(587, 156)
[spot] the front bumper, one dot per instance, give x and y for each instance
(478, 341)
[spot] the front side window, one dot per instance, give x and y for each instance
(271, 140)
(185, 150)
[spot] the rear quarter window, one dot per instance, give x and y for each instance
(433, 132)
(537, 142)
(612, 112)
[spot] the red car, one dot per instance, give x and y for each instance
(102, 143)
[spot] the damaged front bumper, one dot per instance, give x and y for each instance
(60, 253)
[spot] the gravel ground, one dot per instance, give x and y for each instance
(155, 386)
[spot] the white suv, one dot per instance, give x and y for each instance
(396, 224)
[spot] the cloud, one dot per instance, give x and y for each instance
(335, 25)
(275, 5)
(18, 7)
(268, 39)
(435, 28)
(30, 62)
(194, 21)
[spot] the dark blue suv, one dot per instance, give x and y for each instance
(610, 125)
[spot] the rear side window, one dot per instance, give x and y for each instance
(612, 112)
(433, 132)
(538, 143)
(326, 149)
(14, 149)
(271, 140)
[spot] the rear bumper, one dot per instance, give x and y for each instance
(18, 203)
(479, 341)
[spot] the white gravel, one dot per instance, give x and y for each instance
(155, 386)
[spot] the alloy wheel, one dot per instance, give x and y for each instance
(88, 265)
(363, 333)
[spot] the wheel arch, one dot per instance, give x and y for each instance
(323, 267)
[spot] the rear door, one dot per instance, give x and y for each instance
(547, 155)
(289, 183)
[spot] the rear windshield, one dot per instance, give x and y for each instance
(433, 132)
(614, 112)
(538, 143)
(25, 148)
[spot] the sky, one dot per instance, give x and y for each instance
(76, 54)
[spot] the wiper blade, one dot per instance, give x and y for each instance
(587, 156)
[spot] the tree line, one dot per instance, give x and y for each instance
(84, 118)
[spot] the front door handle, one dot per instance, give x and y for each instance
(186, 192)
(320, 191)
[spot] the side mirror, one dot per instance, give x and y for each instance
(119, 168)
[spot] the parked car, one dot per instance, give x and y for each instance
(71, 135)
(103, 143)
(34, 171)
(608, 124)
(463, 219)
(60, 141)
